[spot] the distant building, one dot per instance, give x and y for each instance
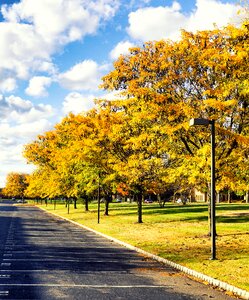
(197, 196)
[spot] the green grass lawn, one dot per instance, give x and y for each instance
(178, 233)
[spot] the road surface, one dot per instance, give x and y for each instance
(44, 257)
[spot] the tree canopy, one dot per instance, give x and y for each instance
(142, 142)
(16, 184)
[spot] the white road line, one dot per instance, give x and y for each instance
(67, 243)
(82, 285)
(52, 253)
(24, 271)
(63, 270)
(5, 264)
(84, 260)
(50, 260)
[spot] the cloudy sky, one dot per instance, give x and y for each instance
(53, 54)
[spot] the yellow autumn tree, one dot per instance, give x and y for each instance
(16, 184)
(75, 156)
(166, 83)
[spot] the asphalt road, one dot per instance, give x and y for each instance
(44, 257)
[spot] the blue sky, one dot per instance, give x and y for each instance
(54, 52)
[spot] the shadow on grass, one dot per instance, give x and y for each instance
(175, 209)
(233, 219)
(232, 207)
(154, 209)
(190, 212)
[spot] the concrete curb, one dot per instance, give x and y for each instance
(243, 294)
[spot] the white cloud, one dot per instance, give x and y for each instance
(77, 103)
(13, 137)
(45, 66)
(53, 19)
(17, 110)
(20, 122)
(18, 104)
(21, 133)
(20, 48)
(155, 23)
(82, 76)
(12, 161)
(37, 86)
(31, 34)
(35, 113)
(7, 85)
(61, 20)
(121, 48)
(105, 8)
(210, 12)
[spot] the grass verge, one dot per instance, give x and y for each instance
(178, 233)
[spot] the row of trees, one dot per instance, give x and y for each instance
(142, 142)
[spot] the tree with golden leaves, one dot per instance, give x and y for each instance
(166, 84)
(16, 185)
(143, 140)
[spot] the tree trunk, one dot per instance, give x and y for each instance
(218, 197)
(108, 199)
(229, 197)
(247, 197)
(160, 201)
(86, 203)
(139, 207)
(206, 197)
(75, 203)
(106, 213)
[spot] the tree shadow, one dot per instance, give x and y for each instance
(240, 218)
(48, 256)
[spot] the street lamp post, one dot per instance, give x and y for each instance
(195, 122)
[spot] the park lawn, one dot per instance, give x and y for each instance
(178, 233)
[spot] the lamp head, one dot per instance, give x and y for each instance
(199, 121)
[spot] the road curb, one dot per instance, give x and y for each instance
(243, 294)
